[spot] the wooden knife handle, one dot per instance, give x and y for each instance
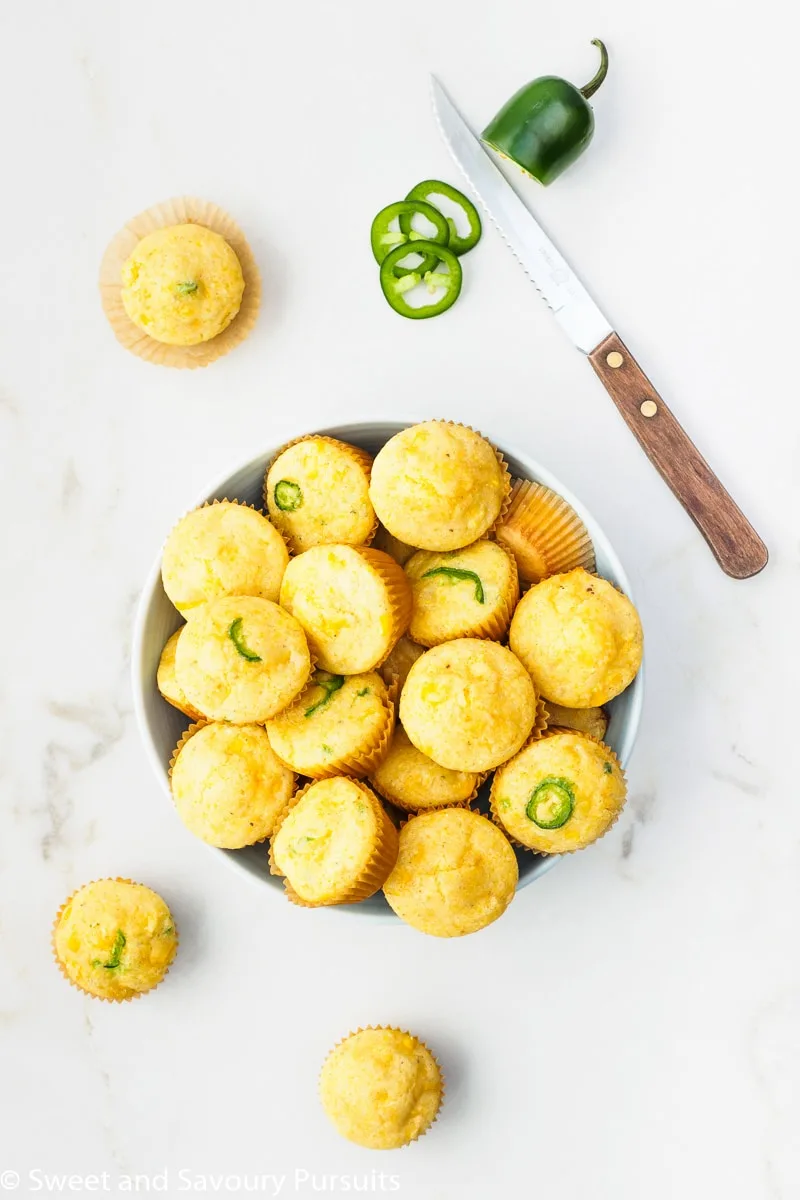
(735, 544)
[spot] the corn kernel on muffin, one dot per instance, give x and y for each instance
(222, 549)
(317, 493)
(334, 845)
(463, 593)
(559, 793)
(338, 725)
(579, 637)
(115, 939)
(242, 659)
(229, 786)
(392, 546)
(455, 873)
(438, 486)
(593, 721)
(468, 704)
(168, 684)
(544, 533)
(182, 285)
(400, 660)
(353, 603)
(381, 1088)
(408, 778)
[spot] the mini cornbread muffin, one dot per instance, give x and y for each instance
(392, 546)
(228, 784)
(593, 721)
(544, 533)
(559, 793)
(408, 778)
(338, 725)
(334, 844)
(579, 637)
(400, 661)
(438, 486)
(464, 593)
(114, 939)
(182, 285)
(468, 704)
(242, 659)
(353, 603)
(317, 493)
(381, 1088)
(168, 684)
(222, 549)
(455, 873)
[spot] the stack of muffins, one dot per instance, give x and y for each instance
(357, 661)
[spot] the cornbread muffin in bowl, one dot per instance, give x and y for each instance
(456, 873)
(334, 844)
(439, 486)
(544, 533)
(228, 784)
(167, 683)
(463, 593)
(381, 1087)
(559, 793)
(317, 493)
(162, 725)
(222, 549)
(400, 660)
(353, 603)
(338, 725)
(593, 721)
(392, 546)
(410, 780)
(179, 284)
(580, 638)
(242, 659)
(114, 939)
(468, 704)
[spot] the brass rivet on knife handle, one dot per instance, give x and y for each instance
(734, 542)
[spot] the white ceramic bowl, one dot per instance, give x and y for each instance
(161, 725)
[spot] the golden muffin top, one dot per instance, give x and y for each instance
(115, 939)
(317, 492)
(463, 593)
(381, 1088)
(559, 793)
(222, 549)
(167, 682)
(579, 637)
(468, 704)
(438, 486)
(242, 659)
(408, 778)
(229, 786)
(455, 873)
(182, 285)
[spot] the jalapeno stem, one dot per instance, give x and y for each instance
(593, 84)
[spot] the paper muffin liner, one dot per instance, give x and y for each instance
(183, 739)
(543, 520)
(399, 591)
(361, 457)
(378, 868)
(182, 210)
(68, 977)
(562, 853)
(495, 626)
(419, 1041)
(503, 467)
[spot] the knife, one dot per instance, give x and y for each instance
(734, 542)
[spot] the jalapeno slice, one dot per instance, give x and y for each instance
(329, 685)
(288, 496)
(552, 802)
(434, 187)
(458, 574)
(384, 240)
(236, 635)
(395, 288)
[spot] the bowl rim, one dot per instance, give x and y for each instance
(152, 581)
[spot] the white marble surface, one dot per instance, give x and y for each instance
(632, 1027)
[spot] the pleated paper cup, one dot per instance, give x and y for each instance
(544, 533)
(106, 999)
(180, 211)
(183, 739)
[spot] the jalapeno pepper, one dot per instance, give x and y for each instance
(395, 288)
(384, 239)
(434, 187)
(547, 124)
(551, 803)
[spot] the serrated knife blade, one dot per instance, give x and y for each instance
(732, 539)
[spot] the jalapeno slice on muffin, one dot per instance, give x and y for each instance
(288, 496)
(551, 804)
(317, 493)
